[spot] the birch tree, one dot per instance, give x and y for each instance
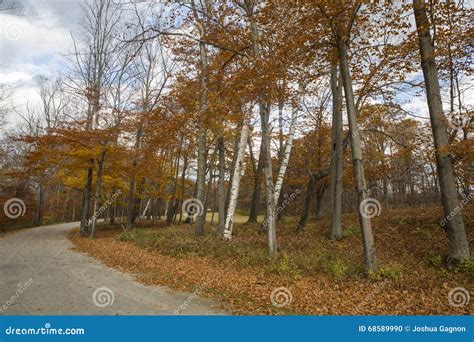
(229, 222)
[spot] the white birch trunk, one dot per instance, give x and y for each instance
(286, 154)
(146, 208)
(229, 222)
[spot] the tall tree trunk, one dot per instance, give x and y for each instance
(337, 155)
(98, 186)
(458, 243)
(41, 199)
(113, 211)
(183, 184)
(229, 222)
(270, 223)
(131, 191)
(220, 186)
(257, 181)
(170, 215)
(361, 187)
(86, 200)
(202, 151)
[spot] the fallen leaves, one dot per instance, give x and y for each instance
(421, 289)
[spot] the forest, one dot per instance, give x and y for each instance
(282, 157)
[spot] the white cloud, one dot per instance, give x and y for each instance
(32, 45)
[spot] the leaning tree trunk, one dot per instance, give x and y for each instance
(458, 243)
(286, 154)
(361, 187)
(232, 167)
(234, 193)
(335, 228)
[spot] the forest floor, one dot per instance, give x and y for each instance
(319, 277)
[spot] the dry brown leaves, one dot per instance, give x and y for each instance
(247, 290)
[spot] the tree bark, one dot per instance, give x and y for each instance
(264, 111)
(220, 186)
(269, 223)
(361, 187)
(131, 191)
(41, 199)
(286, 154)
(202, 151)
(229, 222)
(335, 228)
(234, 159)
(255, 204)
(86, 200)
(98, 186)
(458, 244)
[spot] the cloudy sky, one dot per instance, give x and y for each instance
(36, 42)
